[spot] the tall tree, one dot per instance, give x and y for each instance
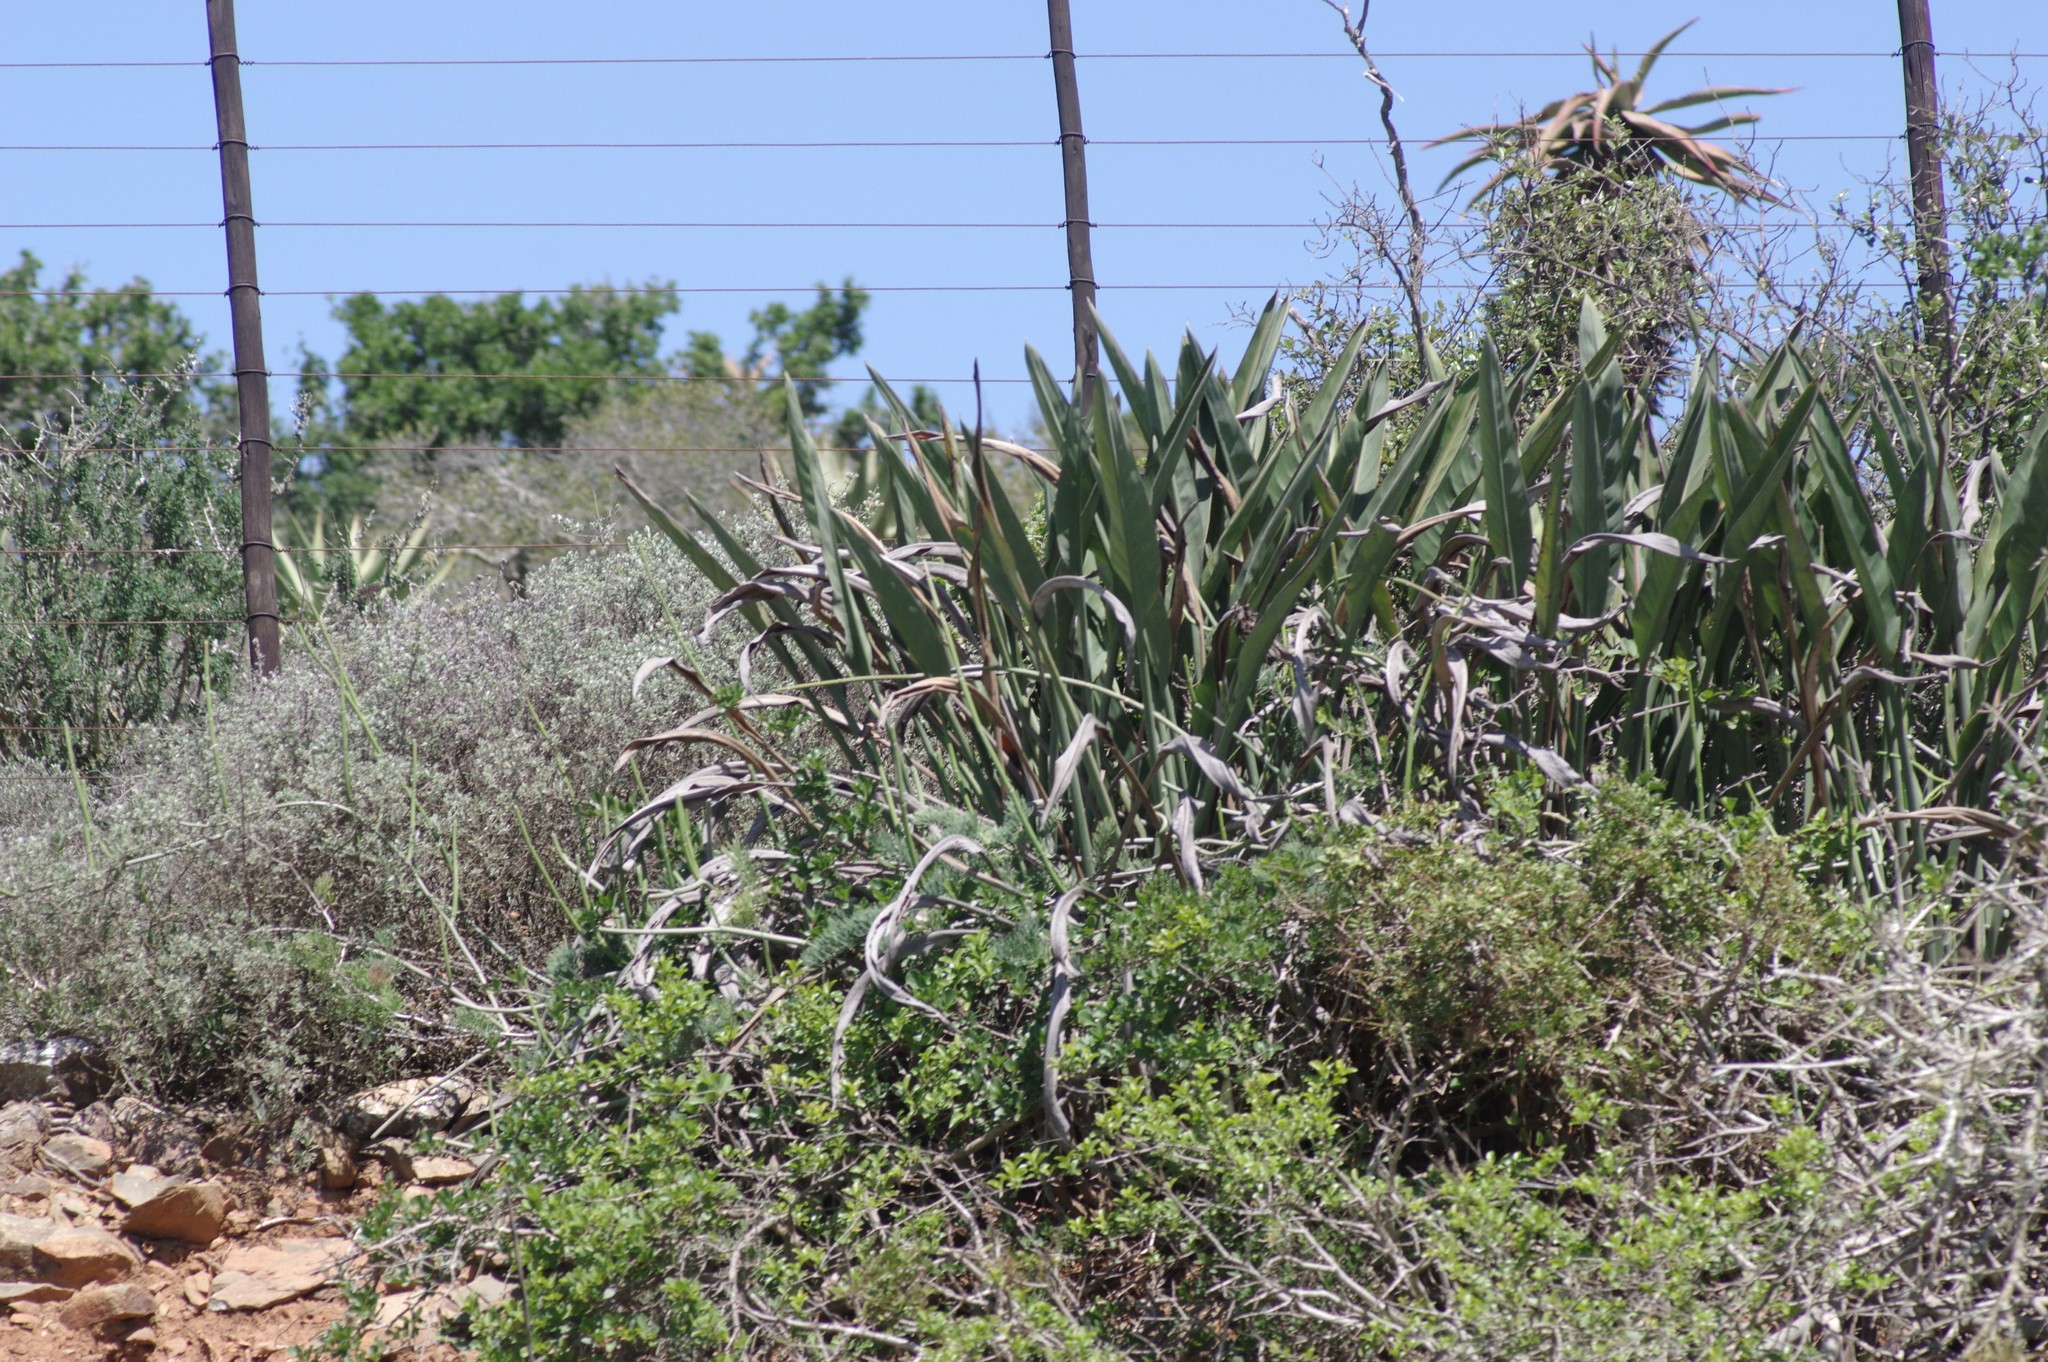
(788, 343)
(529, 369)
(74, 342)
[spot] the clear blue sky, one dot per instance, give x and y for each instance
(910, 335)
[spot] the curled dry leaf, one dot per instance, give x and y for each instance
(1555, 768)
(691, 734)
(1060, 1001)
(1064, 769)
(1044, 594)
(886, 932)
(1209, 763)
(1653, 540)
(768, 635)
(707, 785)
(1183, 830)
(674, 664)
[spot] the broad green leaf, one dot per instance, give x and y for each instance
(1500, 472)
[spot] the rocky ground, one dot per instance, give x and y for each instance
(132, 1233)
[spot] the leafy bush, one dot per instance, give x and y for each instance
(1257, 1166)
(153, 506)
(73, 349)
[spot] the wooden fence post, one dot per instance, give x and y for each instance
(1074, 165)
(252, 379)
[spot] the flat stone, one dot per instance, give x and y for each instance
(194, 1212)
(402, 1307)
(435, 1171)
(10, 1292)
(489, 1290)
(79, 1155)
(410, 1107)
(82, 1257)
(145, 1337)
(197, 1288)
(23, 1123)
(19, 1235)
(103, 1305)
(418, 1311)
(257, 1276)
(137, 1183)
(27, 1185)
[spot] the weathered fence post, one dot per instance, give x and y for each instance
(252, 379)
(1074, 164)
(1923, 160)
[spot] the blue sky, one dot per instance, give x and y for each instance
(926, 335)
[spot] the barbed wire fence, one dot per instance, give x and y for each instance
(226, 60)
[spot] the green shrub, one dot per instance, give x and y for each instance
(1505, 980)
(1258, 1167)
(129, 479)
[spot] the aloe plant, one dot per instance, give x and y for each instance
(1610, 131)
(311, 571)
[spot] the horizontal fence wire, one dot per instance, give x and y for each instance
(1802, 224)
(990, 144)
(855, 58)
(286, 448)
(1719, 285)
(72, 728)
(230, 550)
(128, 623)
(459, 373)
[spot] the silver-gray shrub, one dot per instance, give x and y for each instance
(298, 889)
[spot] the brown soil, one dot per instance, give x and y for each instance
(272, 1206)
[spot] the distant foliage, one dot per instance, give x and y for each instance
(575, 387)
(538, 364)
(77, 342)
(541, 365)
(788, 343)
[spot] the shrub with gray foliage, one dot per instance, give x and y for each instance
(334, 874)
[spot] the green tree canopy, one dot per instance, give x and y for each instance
(547, 361)
(77, 341)
(553, 365)
(788, 343)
